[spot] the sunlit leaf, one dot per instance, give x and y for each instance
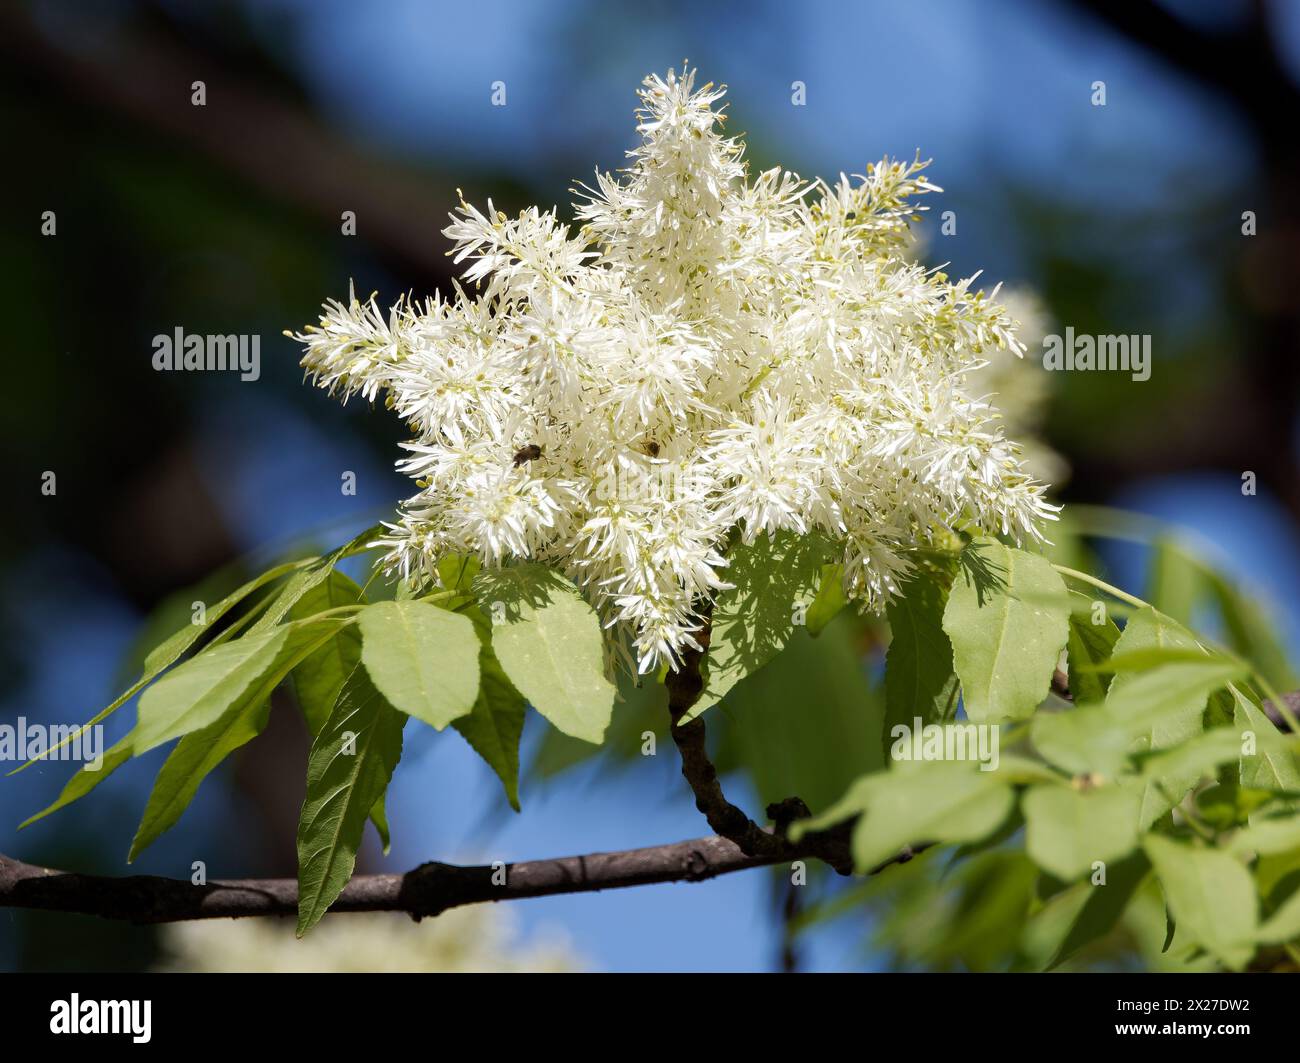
(1068, 831)
(424, 660)
(548, 641)
(1006, 641)
(754, 620)
(236, 674)
(351, 763)
(1211, 896)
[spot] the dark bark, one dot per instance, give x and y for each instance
(427, 890)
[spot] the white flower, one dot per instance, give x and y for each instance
(706, 355)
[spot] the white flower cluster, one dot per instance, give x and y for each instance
(707, 359)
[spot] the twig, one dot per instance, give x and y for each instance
(428, 890)
(684, 688)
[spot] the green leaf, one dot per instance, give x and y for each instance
(1006, 646)
(1165, 706)
(1176, 584)
(312, 577)
(1251, 632)
(642, 706)
(1228, 805)
(423, 659)
(1046, 929)
(1167, 781)
(830, 599)
(1081, 740)
(1067, 830)
(1211, 896)
(1272, 766)
(86, 779)
(916, 802)
(1195, 758)
(240, 673)
(1094, 910)
(379, 817)
(1268, 836)
(170, 651)
(548, 640)
(1089, 646)
(351, 763)
(1150, 711)
(457, 572)
(754, 620)
(494, 726)
(1277, 874)
(1013, 767)
(1148, 658)
(319, 677)
(193, 759)
(919, 677)
(816, 751)
(1284, 924)
(1168, 695)
(1146, 699)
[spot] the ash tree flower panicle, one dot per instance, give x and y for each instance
(708, 359)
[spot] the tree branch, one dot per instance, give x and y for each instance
(685, 685)
(428, 890)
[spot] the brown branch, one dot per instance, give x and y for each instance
(1061, 685)
(685, 685)
(428, 890)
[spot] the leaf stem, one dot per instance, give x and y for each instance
(1100, 584)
